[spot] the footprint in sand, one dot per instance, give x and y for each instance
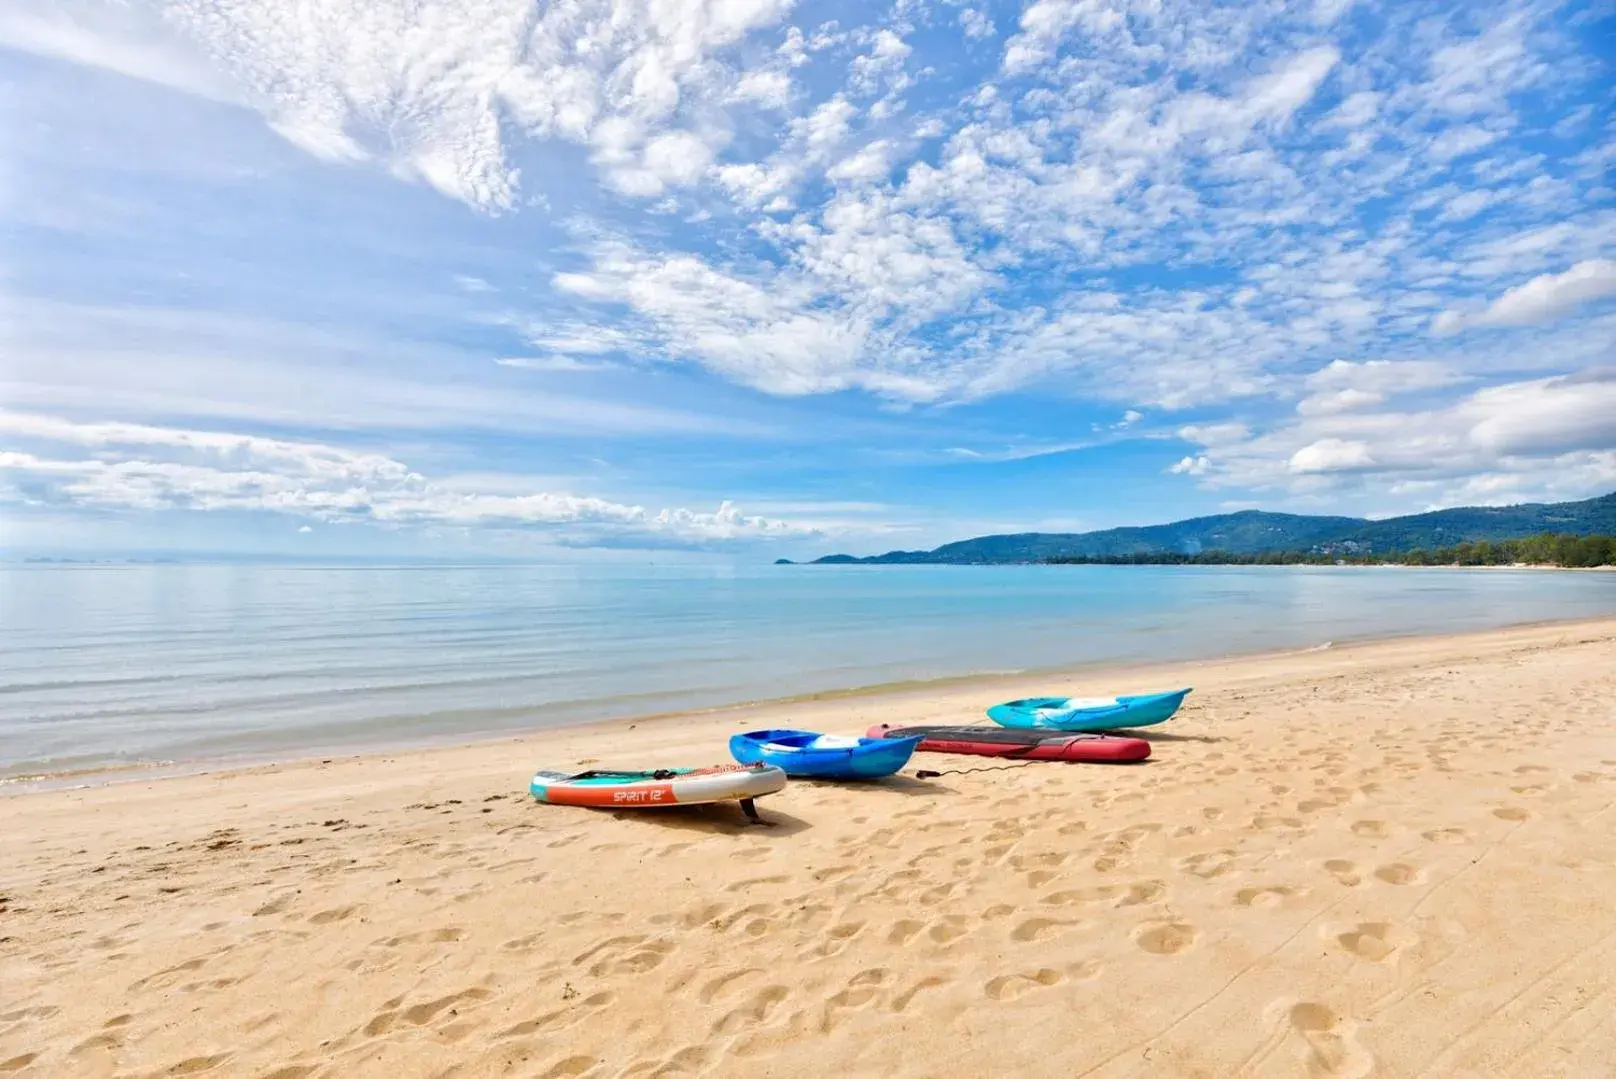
(326, 917)
(861, 991)
(836, 939)
(1271, 895)
(719, 986)
(1209, 864)
(568, 1066)
(1398, 873)
(1446, 835)
(1513, 813)
(197, 1065)
(561, 1017)
(1168, 939)
(1371, 829)
(1330, 1044)
(1141, 892)
(421, 1014)
(754, 1011)
(902, 1001)
(1074, 896)
(902, 931)
(1036, 928)
(1343, 871)
(1011, 986)
(1377, 942)
(628, 955)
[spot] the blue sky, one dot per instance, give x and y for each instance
(754, 277)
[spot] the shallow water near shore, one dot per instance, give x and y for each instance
(109, 667)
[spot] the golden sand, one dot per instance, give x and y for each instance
(1397, 858)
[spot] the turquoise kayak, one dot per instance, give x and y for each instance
(1088, 713)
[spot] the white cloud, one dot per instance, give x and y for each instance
(824, 129)
(773, 339)
(305, 529)
(881, 64)
(1043, 24)
(1542, 299)
(869, 164)
(1544, 416)
(1459, 141)
(677, 157)
(771, 89)
(224, 370)
(1191, 466)
(430, 88)
(1344, 386)
(552, 363)
(975, 23)
(114, 37)
(1550, 436)
(1357, 110)
(142, 467)
(1331, 455)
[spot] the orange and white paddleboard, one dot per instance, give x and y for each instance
(663, 787)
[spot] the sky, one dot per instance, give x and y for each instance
(591, 278)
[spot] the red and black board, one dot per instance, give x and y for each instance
(1026, 745)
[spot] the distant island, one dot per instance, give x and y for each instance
(1258, 537)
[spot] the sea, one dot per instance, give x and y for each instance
(108, 671)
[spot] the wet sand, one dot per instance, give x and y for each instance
(1393, 858)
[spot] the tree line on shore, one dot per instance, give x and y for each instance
(1546, 549)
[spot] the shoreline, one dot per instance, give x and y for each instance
(22, 784)
(1385, 857)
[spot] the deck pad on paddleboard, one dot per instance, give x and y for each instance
(662, 787)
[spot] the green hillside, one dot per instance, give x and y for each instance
(1256, 532)
(1443, 528)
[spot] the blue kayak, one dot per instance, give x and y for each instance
(812, 755)
(1088, 713)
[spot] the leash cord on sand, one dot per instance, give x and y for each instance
(926, 773)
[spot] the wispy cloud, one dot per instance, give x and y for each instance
(144, 468)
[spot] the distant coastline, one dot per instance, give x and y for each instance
(1559, 534)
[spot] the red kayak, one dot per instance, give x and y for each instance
(1027, 745)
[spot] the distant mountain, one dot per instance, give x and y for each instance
(1254, 532)
(1444, 528)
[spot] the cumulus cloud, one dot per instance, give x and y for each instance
(975, 23)
(1332, 455)
(1344, 386)
(1191, 466)
(1546, 297)
(1551, 434)
(768, 88)
(144, 467)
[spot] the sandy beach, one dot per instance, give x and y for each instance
(1394, 858)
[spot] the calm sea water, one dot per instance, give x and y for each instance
(105, 667)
